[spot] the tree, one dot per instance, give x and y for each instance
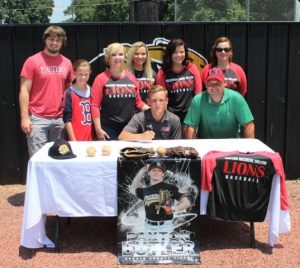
(210, 10)
(98, 10)
(2, 10)
(22, 11)
(186, 10)
(111, 10)
(272, 10)
(166, 10)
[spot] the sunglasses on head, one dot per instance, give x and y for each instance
(220, 49)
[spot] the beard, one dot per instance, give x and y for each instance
(53, 50)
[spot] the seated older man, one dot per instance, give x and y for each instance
(155, 123)
(218, 112)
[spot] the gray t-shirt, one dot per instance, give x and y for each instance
(168, 127)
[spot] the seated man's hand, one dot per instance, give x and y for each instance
(148, 135)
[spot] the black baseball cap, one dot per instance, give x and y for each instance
(61, 149)
(156, 165)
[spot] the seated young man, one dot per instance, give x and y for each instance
(155, 123)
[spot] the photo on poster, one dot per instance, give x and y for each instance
(158, 207)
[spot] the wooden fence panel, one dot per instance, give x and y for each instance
(256, 75)
(277, 53)
(9, 132)
(292, 132)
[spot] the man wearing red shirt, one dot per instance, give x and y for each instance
(44, 78)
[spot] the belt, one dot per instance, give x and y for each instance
(154, 222)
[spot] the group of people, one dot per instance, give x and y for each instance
(129, 100)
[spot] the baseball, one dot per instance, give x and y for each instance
(91, 151)
(161, 151)
(106, 150)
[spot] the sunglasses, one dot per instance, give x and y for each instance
(220, 49)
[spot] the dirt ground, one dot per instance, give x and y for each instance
(91, 242)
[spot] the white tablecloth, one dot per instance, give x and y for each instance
(87, 186)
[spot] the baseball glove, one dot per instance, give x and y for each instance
(136, 153)
(182, 152)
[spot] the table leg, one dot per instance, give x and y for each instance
(252, 235)
(56, 239)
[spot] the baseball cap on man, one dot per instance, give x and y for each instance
(61, 149)
(156, 165)
(215, 73)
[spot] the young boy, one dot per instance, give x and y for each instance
(77, 110)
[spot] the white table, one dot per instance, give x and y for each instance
(87, 186)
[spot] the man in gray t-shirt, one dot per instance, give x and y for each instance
(156, 123)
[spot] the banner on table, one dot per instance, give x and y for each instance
(158, 222)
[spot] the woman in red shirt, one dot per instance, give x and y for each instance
(115, 95)
(180, 77)
(139, 64)
(221, 55)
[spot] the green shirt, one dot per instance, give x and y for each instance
(218, 120)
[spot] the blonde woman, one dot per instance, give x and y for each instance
(115, 95)
(139, 64)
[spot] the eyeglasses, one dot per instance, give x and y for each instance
(220, 49)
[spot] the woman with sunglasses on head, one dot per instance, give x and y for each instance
(115, 95)
(221, 55)
(180, 77)
(139, 64)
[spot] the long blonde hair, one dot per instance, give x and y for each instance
(148, 72)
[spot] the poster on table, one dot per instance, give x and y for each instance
(158, 208)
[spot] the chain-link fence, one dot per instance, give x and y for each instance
(188, 10)
(149, 10)
(236, 10)
(178, 10)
